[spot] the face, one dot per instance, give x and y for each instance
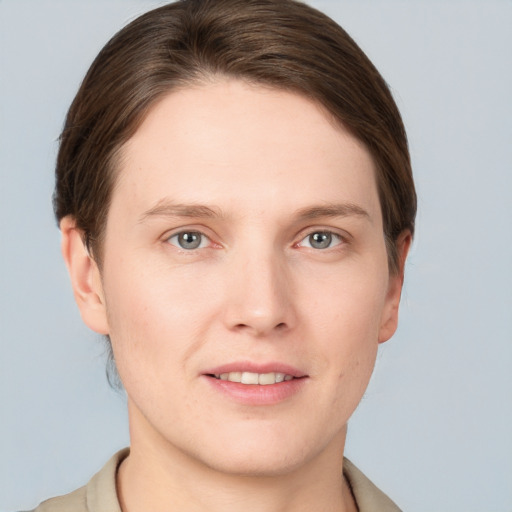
(245, 283)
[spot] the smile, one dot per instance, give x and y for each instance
(262, 379)
(251, 384)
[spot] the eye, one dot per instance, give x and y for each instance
(189, 240)
(321, 240)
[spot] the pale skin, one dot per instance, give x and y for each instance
(245, 230)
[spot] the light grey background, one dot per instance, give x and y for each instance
(435, 427)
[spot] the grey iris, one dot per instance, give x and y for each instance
(189, 239)
(320, 240)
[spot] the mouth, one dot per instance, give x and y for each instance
(251, 378)
(254, 384)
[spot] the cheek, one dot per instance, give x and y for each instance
(136, 312)
(156, 318)
(350, 305)
(346, 318)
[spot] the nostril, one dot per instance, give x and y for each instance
(281, 326)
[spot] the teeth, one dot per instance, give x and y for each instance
(267, 378)
(263, 379)
(249, 378)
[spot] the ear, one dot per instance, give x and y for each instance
(389, 320)
(85, 277)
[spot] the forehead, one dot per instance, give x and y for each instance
(230, 141)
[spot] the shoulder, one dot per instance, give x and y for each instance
(368, 496)
(72, 502)
(98, 495)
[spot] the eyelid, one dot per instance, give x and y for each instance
(201, 230)
(204, 239)
(343, 238)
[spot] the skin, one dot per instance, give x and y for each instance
(272, 170)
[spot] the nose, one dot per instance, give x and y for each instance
(259, 295)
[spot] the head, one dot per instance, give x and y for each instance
(226, 144)
(285, 45)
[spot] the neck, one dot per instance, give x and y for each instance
(159, 476)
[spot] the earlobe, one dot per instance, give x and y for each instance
(85, 277)
(389, 321)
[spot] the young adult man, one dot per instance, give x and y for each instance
(236, 203)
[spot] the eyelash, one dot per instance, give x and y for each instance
(329, 237)
(194, 233)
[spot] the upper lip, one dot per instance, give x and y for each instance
(251, 367)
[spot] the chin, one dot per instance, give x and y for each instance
(260, 453)
(269, 464)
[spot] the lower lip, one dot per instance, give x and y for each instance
(254, 394)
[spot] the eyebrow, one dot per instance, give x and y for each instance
(332, 210)
(167, 208)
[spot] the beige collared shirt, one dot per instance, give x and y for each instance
(99, 495)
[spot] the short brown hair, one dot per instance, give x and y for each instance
(279, 43)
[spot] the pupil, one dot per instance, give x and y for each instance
(320, 240)
(190, 240)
